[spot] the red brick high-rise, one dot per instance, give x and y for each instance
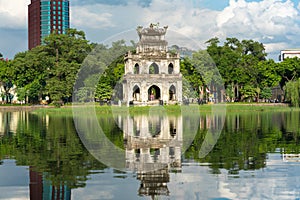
(46, 16)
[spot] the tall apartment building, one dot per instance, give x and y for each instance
(45, 17)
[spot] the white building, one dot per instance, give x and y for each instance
(12, 94)
(289, 53)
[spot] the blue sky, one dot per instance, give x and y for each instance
(275, 23)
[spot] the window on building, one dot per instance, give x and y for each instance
(136, 69)
(45, 3)
(170, 68)
(153, 69)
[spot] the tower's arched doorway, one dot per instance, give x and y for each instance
(172, 93)
(153, 93)
(136, 93)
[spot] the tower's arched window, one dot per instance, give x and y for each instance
(136, 69)
(170, 69)
(153, 69)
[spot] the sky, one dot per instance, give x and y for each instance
(275, 23)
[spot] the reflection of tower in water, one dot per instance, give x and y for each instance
(153, 148)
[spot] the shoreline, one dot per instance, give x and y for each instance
(9, 108)
(23, 108)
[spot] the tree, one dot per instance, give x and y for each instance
(68, 52)
(236, 61)
(30, 71)
(292, 89)
(112, 63)
(51, 69)
(6, 80)
(266, 93)
(248, 92)
(289, 70)
(21, 94)
(103, 90)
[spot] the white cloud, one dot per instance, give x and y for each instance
(89, 16)
(266, 21)
(267, 17)
(13, 14)
(276, 47)
(275, 23)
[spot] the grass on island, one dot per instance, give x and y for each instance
(170, 109)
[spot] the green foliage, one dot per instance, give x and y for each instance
(192, 78)
(51, 69)
(242, 146)
(266, 93)
(6, 79)
(103, 90)
(248, 92)
(109, 80)
(21, 94)
(267, 74)
(33, 91)
(51, 147)
(229, 93)
(292, 89)
(69, 50)
(237, 62)
(289, 70)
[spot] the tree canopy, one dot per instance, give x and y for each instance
(51, 69)
(68, 64)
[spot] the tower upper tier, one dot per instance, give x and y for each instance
(152, 39)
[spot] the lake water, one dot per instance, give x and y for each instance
(249, 155)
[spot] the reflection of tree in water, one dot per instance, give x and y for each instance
(246, 139)
(50, 144)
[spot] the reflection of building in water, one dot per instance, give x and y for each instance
(289, 157)
(9, 122)
(42, 189)
(212, 122)
(153, 147)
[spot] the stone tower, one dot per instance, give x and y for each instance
(152, 74)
